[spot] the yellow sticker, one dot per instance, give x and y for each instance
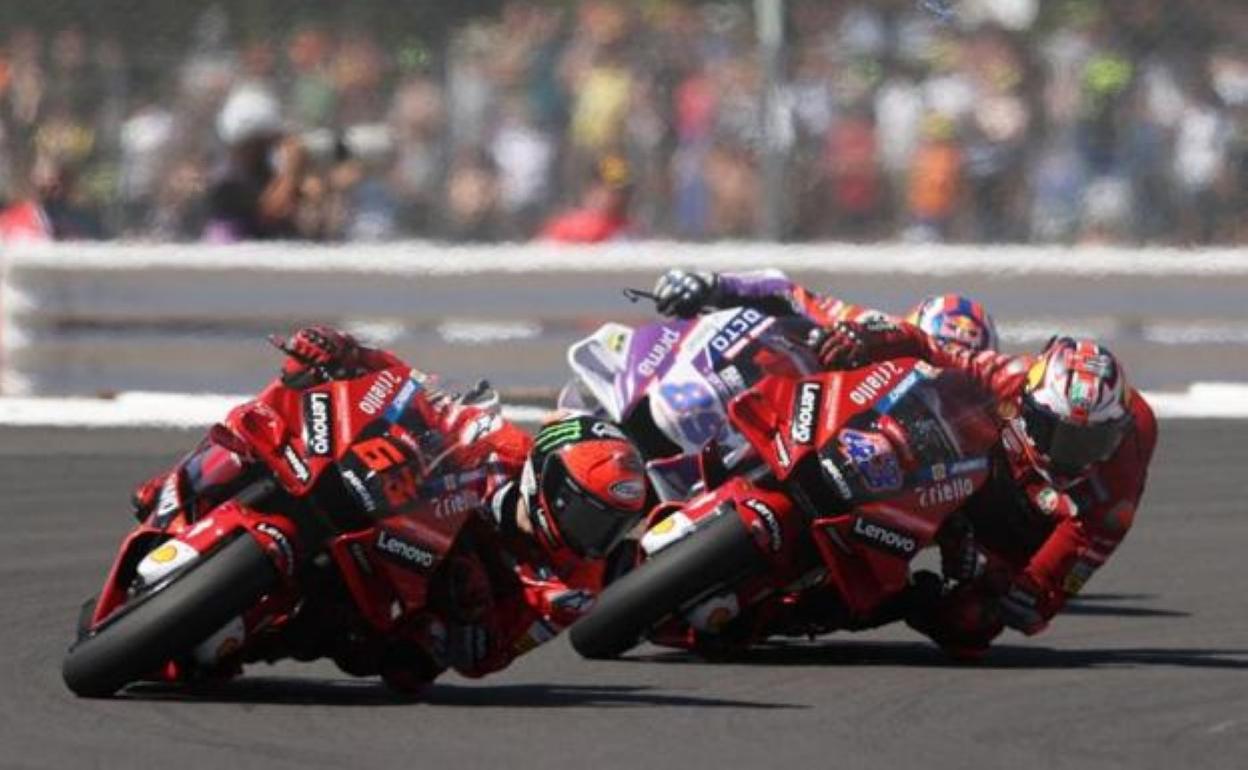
(663, 527)
(1035, 375)
(164, 554)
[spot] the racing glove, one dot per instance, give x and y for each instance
(849, 345)
(682, 294)
(318, 352)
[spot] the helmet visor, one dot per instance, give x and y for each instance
(587, 525)
(1071, 448)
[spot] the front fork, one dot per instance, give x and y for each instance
(277, 535)
(776, 525)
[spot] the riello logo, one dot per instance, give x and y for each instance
(319, 424)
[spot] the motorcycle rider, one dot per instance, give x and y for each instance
(1067, 476)
(553, 509)
(950, 318)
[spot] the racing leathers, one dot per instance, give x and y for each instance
(1043, 535)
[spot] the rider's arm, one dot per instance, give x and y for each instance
(1002, 375)
(772, 292)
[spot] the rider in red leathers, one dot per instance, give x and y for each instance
(552, 510)
(1067, 478)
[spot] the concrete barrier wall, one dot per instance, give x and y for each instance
(80, 319)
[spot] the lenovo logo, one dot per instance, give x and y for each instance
(883, 537)
(408, 553)
(318, 424)
(805, 412)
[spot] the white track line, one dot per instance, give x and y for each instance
(651, 257)
(188, 410)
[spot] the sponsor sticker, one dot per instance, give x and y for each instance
(401, 401)
(362, 495)
(782, 452)
(404, 552)
(732, 378)
(831, 471)
(874, 459)
(1048, 499)
(770, 521)
(885, 538)
(658, 352)
(378, 395)
(875, 383)
(169, 500)
(805, 412)
(953, 490)
(737, 329)
(899, 392)
(456, 503)
(606, 430)
(296, 464)
(283, 544)
(555, 435)
(164, 554)
(318, 424)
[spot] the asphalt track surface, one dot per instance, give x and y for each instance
(1149, 670)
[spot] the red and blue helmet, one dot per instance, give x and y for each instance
(955, 320)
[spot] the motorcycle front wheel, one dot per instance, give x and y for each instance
(704, 562)
(167, 621)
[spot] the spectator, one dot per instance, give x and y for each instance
(935, 180)
(1119, 120)
(52, 213)
(256, 195)
(603, 214)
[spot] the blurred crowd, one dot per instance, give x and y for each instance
(1122, 121)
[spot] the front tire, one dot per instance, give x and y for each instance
(169, 621)
(718, 555)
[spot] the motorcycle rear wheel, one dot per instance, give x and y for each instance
(169, 620)
(697, 566)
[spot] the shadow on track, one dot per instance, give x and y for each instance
(1110, 605)
(275, 690)
(299, 691)
(558, 696)
(921, 654)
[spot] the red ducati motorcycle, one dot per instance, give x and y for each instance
(851, 474)
(339, 507)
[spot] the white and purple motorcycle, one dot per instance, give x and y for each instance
(668, 384)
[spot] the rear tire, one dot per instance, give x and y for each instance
(169, 621)
(710, 559)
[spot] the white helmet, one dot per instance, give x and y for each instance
(1076, 405)
(249, 112)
